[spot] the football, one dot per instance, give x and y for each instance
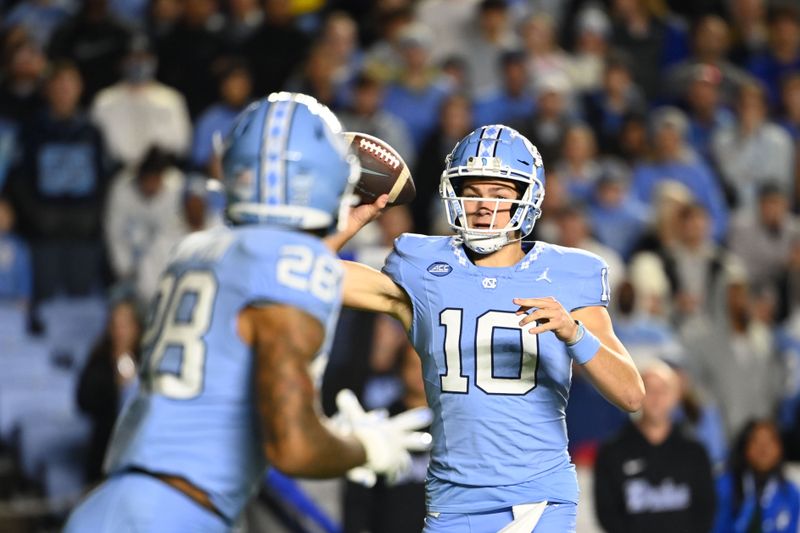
(383, 170)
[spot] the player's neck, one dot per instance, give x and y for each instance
(508, 255)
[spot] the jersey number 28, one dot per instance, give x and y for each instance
(181, 317)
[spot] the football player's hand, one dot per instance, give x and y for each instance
(548, 315)
(358, 217)
(387, 441)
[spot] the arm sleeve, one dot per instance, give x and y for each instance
(400, 267)
(594, 285)
(301, 274)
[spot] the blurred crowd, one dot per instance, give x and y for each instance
(669, 132)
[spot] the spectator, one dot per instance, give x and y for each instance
(587, 64)
(235, 90)
(647, 272)
(384, 58)
(366, 115)
(487, 43)
(763, 239)
(790, 109)
(545, 56)
(454, 74)
(640, 34)
(25, 66)
(618, 97)
(163, 15)
(513, 101)
(275, 48)
(139, 112)
(698, 413)
(632, 143)
(782, 57)
(674, 160)
(788, 283)
(188, 53)
(730, 354)
(573, 231)
(39, 18)
(753, 150)
(618, 219)
(450, 21)
(244, 19)
(548, 125)
(96, 42)
(755, 495)
(694, 263)
(652, 477)
(788, 341)
(59, 188)
(316, 77)
(710, 44)
(16, 275)
(707, 115)
(142, 206)
(416, 95)
(108, 379)
(455, 121)
(202, 205)
(789, 118)
(750, 32)
(578, 166)
(340, 38)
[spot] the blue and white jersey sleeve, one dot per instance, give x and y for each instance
(298, 271)
(590, 277)
(404, 267)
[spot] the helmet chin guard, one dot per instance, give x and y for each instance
(494, 152)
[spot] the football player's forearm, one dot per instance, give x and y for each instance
(616, 377)
(611, 370)
(367, 289)
(296, 441)
(336, 241)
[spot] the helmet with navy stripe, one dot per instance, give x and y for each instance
(286, 163)
(495, 152)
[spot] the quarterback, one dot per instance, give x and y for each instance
(498, 327)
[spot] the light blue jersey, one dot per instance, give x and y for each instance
(498, 393)
(195, 415)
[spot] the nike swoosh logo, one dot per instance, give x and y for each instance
(373, 172)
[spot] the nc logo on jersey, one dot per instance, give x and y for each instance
(440, 269)
(489, 283)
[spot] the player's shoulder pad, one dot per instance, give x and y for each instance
(416, 249)
(577, 261)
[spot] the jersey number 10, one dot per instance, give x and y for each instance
(454, 381)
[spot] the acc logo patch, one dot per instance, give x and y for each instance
(440, 269)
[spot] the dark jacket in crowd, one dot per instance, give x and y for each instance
(642, 488)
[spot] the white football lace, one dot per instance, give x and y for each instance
(380, 152)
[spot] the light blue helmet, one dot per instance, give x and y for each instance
(497, 152)
(286, 163)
